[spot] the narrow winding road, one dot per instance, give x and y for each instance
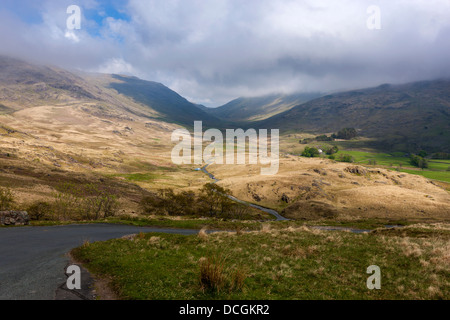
(269, 211)
(33, 259)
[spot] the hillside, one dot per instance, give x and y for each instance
(24, 85)
(259, 108)
(170, 105)
(406, 117)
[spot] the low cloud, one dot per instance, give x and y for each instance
(214, 51)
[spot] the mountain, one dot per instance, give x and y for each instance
(406, 117)
(259, 108)
(24, 85)
(170, 105)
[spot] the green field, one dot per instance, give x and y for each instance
(435, 175)
(437, 169)
(300, 263)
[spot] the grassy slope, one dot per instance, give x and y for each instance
(285, 264)
(405, 117)
(437, 168)
(258, 108)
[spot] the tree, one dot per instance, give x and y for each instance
(418, 161)
(6, 199)
(422, 153)
(323, 138)
(346, 158)
(332, 150)
(347, 134)
(214, 200)
(310, 152)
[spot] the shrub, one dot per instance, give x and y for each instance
(332, 150)
(441, 155)
(418, 161)
(323, 138)
(84, 202)
(212, 201)
(40, 210)
(347, 134)
(6, 199)
(346, 158)
(310, 152)
(212, 276)
(215, 277)
(422, 153)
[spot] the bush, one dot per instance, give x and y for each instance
(40, 211)
(441, 155)
(324, 138)
(346, 158)
(418, 161)
(347, 134)
(87, 202)
(214, 277)
(212, 201)
(6, 199)
(422, 153)
(306, 141)
(332, 150)
(310, 152)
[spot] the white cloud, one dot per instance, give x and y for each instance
(218, 50)
(116, 66)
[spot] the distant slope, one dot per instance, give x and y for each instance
(259, 108)
(405, 117)
(24, 85)
(170, 105)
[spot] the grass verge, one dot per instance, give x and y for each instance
(292, 263)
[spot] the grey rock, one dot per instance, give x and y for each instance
(14, 218)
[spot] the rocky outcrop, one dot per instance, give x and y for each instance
(14, 218)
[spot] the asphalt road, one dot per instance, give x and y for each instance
(269, 211)
(33, 259)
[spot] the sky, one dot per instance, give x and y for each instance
(213, 51)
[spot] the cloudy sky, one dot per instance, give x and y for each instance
(212, 51)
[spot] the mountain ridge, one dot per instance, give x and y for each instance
(404, 117)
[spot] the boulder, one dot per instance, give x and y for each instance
(285, 198)
(14, 218)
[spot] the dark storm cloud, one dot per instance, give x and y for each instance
(214, 51)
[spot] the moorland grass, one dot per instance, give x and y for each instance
(293, 263)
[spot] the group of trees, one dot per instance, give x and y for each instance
(345, 134)
(310, 152)
(418, 161)
(76, 202)
(212, 201)
(441, 156)
(324, 137)
(6, 199)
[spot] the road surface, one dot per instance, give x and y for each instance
(33, 259)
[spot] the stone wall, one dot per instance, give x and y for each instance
(14, 218)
